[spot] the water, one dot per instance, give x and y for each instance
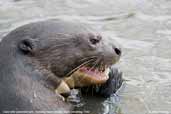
(143, 27)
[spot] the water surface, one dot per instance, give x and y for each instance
(142, 27)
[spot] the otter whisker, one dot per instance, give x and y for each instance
(83, 64)
(92, 57)
(96, 63)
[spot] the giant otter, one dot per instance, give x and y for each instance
(36, 57)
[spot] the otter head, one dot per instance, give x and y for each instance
(62, 52)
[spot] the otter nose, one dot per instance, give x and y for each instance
(117, 51)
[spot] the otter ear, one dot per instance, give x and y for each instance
(27, 46)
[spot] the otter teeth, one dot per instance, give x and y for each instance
(107, 71)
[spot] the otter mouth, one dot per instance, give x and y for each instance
(95, 75)
(92, 75)
(92, 71)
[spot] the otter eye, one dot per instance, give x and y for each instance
(95, 40)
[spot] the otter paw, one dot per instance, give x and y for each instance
(112, 84)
